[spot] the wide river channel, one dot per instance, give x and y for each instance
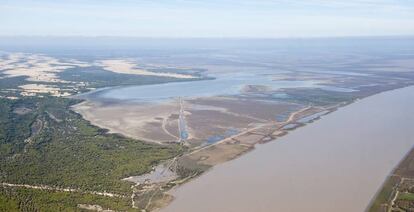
(337, 163)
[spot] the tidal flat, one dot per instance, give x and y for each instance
(335, 164)
(245, 116)
(177, 115)
(225, 116)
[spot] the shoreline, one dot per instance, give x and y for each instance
(331, 110)
(77, 108)
(152, 121)
(167, 197)
(173, 190)
(89, 95)
(393, 181)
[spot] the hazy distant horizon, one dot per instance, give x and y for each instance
(201, 38)
(129, 42)
(196, 18)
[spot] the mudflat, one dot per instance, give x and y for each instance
(311, 169)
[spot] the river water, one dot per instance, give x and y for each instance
(337, 163)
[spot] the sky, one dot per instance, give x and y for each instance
(207, 18)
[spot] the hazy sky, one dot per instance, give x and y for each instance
(207, 18)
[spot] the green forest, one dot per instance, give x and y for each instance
(43, 142)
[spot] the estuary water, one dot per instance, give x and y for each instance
(223, 84)
(337, 163)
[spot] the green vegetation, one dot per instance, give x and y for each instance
(384, 195)
(319, 97)
(96, 77)
(22, 199)
(83, 78)
(406, 196)
(42, 142)
(402, 180)
(11, 83)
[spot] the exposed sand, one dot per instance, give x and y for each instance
(207, 119)
(140, 121)
(123, 66)
(44, 69)
(38, 68)
(31, 89)
(159, 174)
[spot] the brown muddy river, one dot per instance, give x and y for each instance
(335, 164)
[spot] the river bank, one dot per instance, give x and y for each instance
(344, 167)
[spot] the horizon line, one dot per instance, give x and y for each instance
(206, 37)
